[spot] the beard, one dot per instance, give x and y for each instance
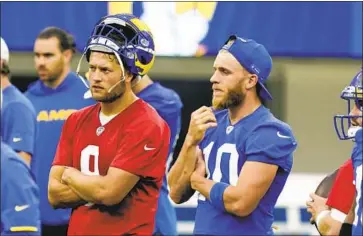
(49, 79)
(113, 95)
(232, 99)
(53, 72)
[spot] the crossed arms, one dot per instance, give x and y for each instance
(69, 188)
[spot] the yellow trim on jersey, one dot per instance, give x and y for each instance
(23, 229)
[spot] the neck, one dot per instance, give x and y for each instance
(5, 82)
(55, 83)
(247, 107)
(142, 84)
(119, 105)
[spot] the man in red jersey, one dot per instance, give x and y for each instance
(112, 155)
(329, 213)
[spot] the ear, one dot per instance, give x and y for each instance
(251, 81)
(128, 77)
(67, 54)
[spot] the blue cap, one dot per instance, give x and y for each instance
(253, 57)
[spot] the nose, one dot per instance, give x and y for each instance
(95, 76)
(214, 78)
(357, 113)
(39, 61)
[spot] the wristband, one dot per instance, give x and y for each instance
(216, 195)
(338, 215)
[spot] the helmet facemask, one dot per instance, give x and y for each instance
(131, 44)
(353, 95)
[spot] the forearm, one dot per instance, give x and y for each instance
(233, 202)
(240, 201)
(62, 196)
(350, 217)
(202, 185)
(89, 188)
(179, 175)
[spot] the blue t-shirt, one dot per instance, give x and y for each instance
(18, 122)
(52, 107)
(258, 137)
(168, 104)
(357, 164)
(19, 196)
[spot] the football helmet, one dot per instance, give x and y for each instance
(128, 38)
(352, 93)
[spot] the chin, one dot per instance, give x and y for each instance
(97, 96)
(218, 104)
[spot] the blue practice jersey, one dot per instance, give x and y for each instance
(20, 213)
(52, 107)
(18, 123)
(168, 104)
(258, 137)
(357, 164)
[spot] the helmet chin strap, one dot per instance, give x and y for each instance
(123, 73)
(78, 69)
(114, 86)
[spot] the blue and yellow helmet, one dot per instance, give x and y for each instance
(351, 93)
(129, 38)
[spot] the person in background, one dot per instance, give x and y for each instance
(168, 104)
(18, 122)
(346, 216)
(19, 209)
(55, 95)
(328, 213)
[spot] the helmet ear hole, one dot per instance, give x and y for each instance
(143, 59)
(88, 54)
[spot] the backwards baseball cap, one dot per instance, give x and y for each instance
(253, 57)
(4, 50)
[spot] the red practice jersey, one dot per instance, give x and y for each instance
(342, 194)
(137, 141)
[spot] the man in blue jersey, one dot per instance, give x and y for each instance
(18, 125)
(238, 157)
(350, 127)
(56, 94)
(168, 104)
(20, 213)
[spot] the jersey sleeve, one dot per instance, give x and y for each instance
(272, 144)
(20, 212)
(21, 127)
(342, 194)
(144, 151)
(63, 155)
